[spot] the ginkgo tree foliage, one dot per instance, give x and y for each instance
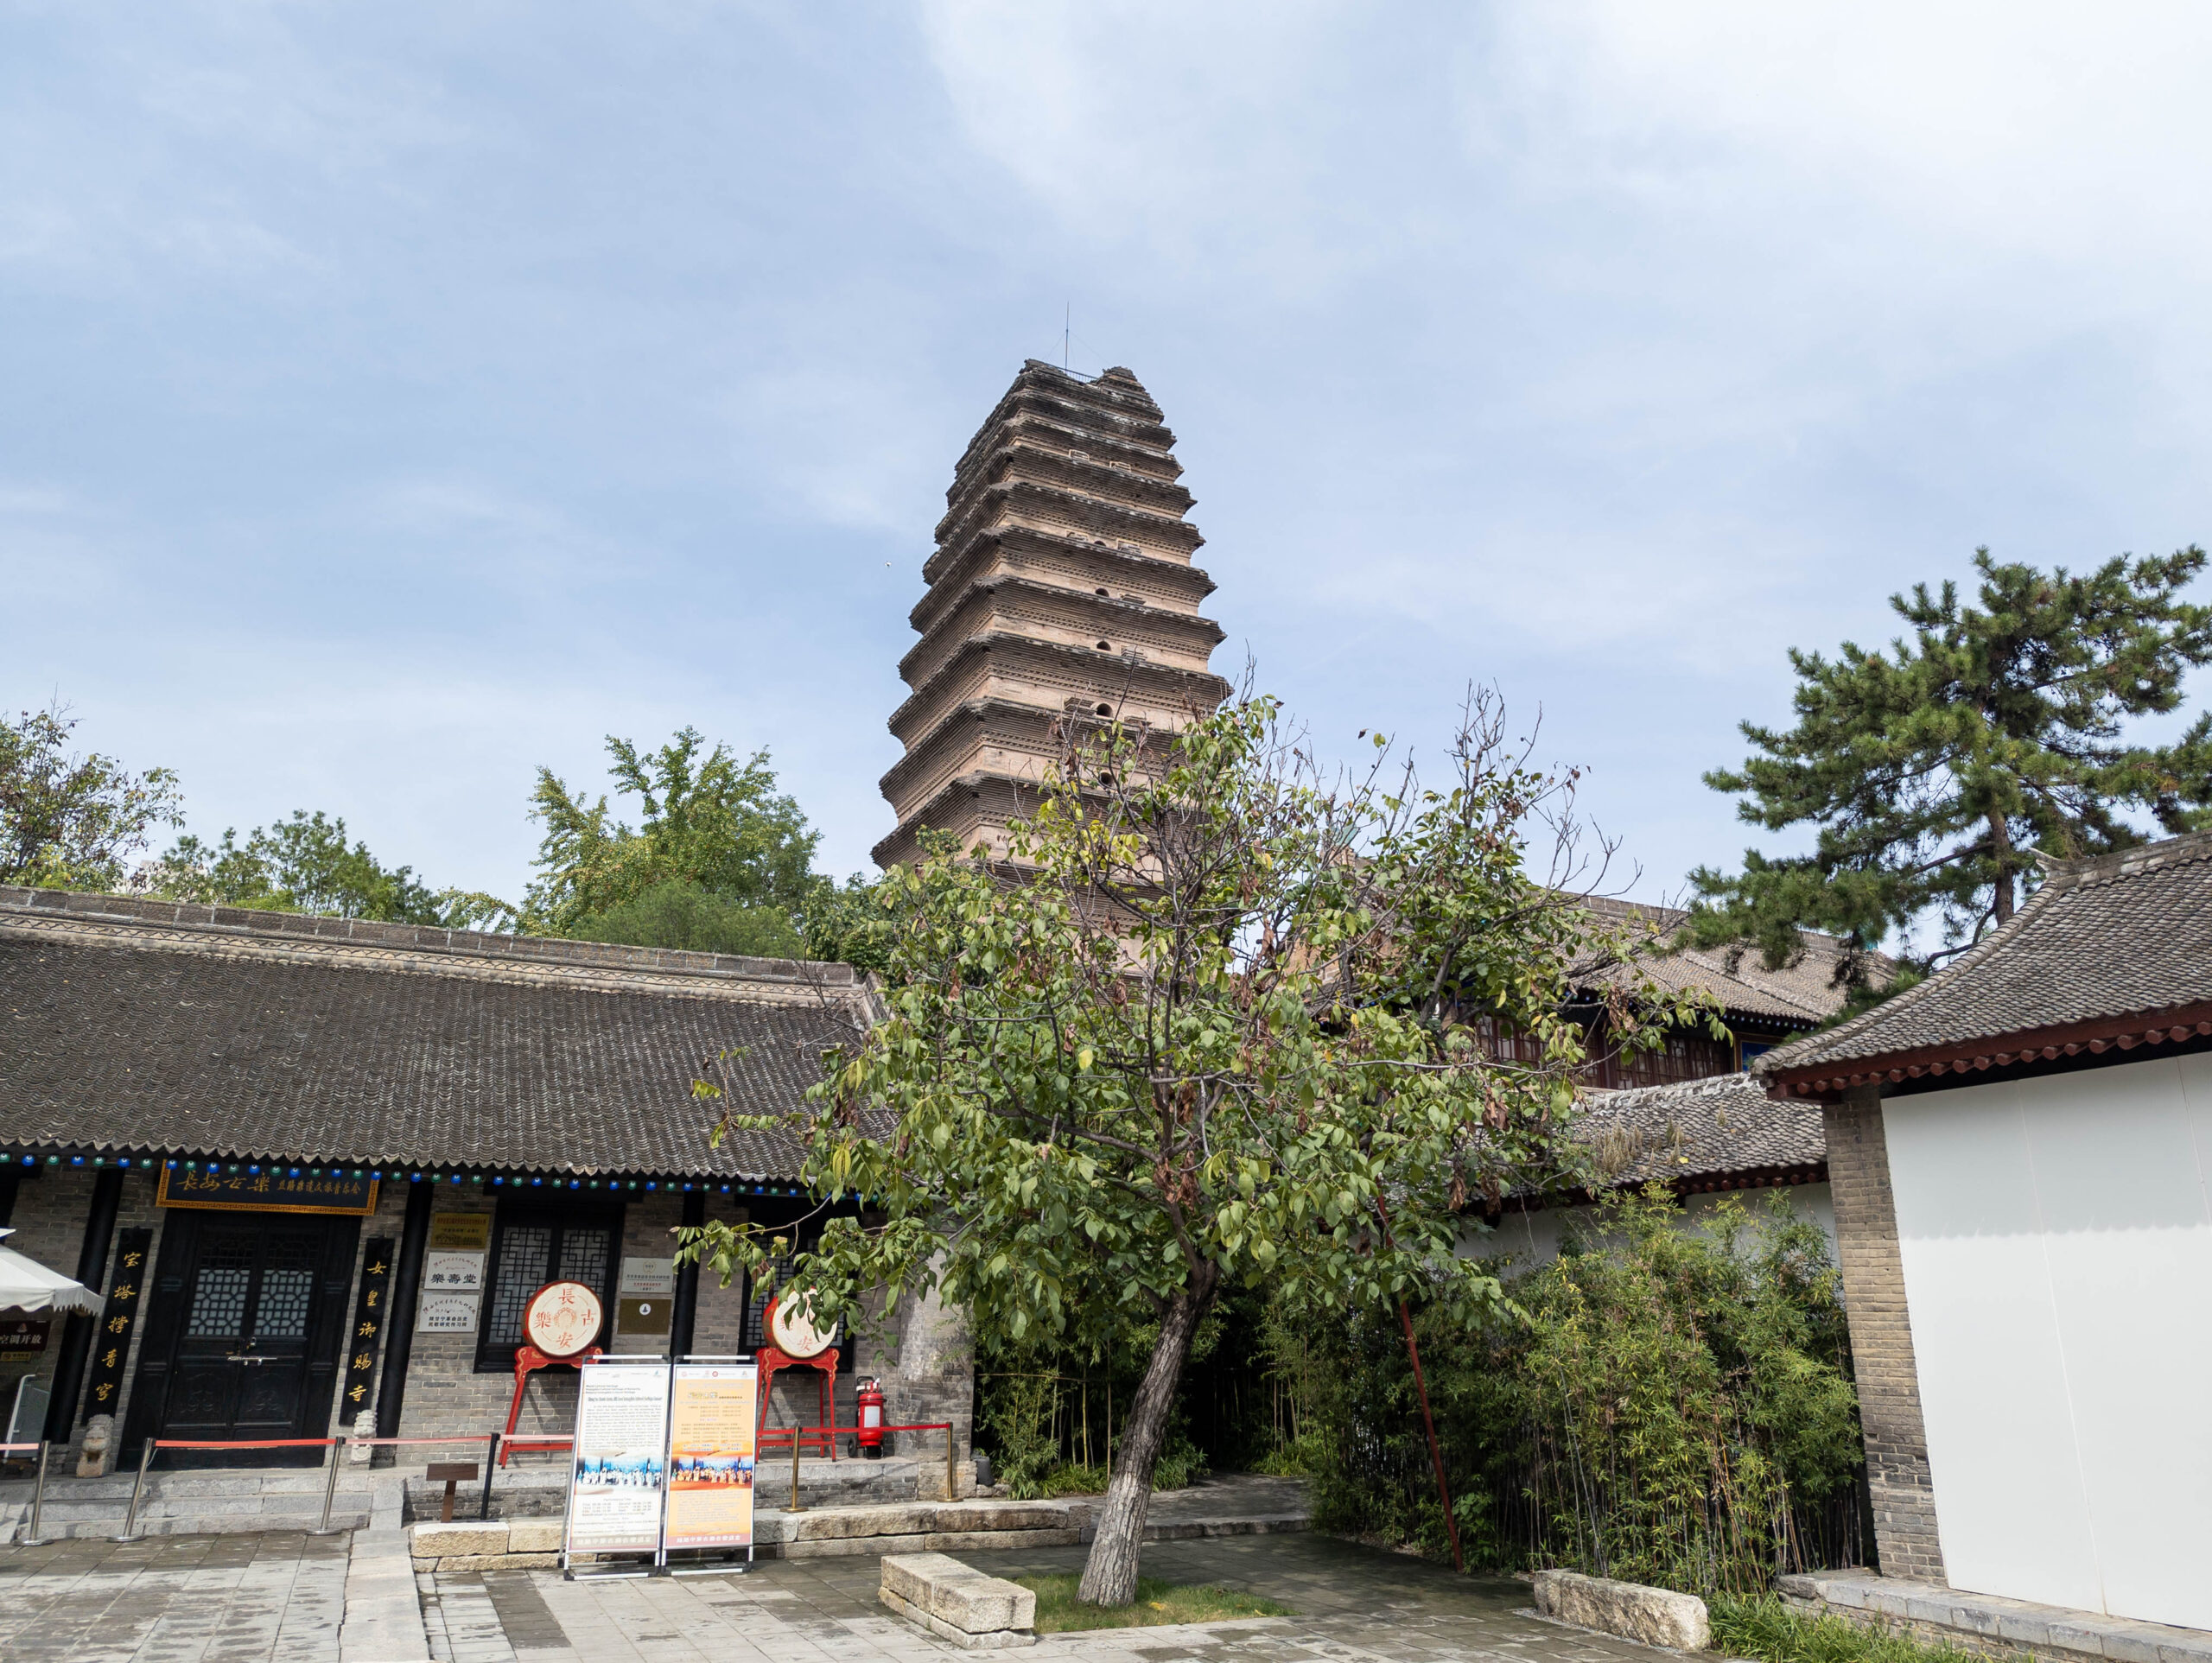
(1216, 1018)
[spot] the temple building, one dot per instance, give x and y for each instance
(1062, 595)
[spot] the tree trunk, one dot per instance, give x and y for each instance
(2000, 840)
(1109, 1575)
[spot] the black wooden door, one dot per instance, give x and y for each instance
(242, 1342)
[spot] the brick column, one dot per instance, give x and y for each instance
(1881, 1340)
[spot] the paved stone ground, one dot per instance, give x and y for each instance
(1355, 1605)
(175, 1599)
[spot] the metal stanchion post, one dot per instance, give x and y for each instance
(31, 1538)
(490, 1461)
(794, 1506)
(951, 1494)
(329, 1491)
(131, 1532)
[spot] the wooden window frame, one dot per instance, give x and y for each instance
(563, 1215)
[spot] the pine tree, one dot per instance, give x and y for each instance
(1940, 771)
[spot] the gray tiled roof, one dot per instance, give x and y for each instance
(1715, 1127)
(134, 1026)
(1797, 995)
(2123, 934)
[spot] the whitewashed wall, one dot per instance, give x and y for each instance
(2056, 1236)
(1531, 1238)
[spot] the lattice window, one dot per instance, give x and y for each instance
(287, 1289)
(756, 1333)
(220, 1287)
(524, 1252)
(533, 1246)
(584, 1256)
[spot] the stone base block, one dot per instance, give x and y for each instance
(1990, 1625)
(958, 1602)
(492, 1562)
(456, 1540)
(1656, 1617)
(1001, 1639)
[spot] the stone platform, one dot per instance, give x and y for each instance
(1990, 1624)
(1242, 1505)
(229, 1500)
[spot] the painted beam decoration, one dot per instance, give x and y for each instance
(118, 1317)
(364, 1339)
(269, 1189)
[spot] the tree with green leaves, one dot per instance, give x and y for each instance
(72, 822)
(1218, 1022)
(300, 865)
(1940, 772)
(721, 860)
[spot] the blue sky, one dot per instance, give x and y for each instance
(397, 398)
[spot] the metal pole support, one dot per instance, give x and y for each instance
(31, 1538)
(490, 1462)
(794, 1506)
(131, 1531)
(950, 1493)
(329, 1491)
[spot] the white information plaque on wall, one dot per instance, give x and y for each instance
(446, 1313)
(453, 1272)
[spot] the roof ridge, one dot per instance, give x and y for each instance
(252, 924)
(2066, 877)
(2137, 858)
(1887, 1010)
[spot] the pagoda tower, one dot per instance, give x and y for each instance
(1061, 596)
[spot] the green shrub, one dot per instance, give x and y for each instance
(1673, 1407)
(1765, 1629)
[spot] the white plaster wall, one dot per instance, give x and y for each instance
(1531, 1238)
(2057, 1238)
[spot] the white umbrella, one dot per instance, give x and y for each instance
(27, 1285)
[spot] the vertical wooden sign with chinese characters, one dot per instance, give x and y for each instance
(126, 1289)
(370, 1306)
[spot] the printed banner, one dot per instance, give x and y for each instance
(711, 1453)
(369, 1306)
(615, 1500)
(269, 1191)
(111, 1345)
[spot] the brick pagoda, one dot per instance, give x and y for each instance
(1061, 597)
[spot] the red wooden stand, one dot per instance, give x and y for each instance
(770, 1360)
(529, 1359)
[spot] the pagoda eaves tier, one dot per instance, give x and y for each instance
(1061, 597)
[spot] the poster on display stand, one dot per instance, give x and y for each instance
(713, 1447)
(617, 1467)
(664, 1459)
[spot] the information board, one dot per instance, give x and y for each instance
(621, 1445)
(712, 1449)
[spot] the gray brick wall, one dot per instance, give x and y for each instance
(925, 1361)
(1881, 1341)
(49, 1222)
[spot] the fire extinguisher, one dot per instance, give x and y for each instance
(869, 1401)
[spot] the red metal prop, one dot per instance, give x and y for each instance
(770, 1360)
(528, 1359)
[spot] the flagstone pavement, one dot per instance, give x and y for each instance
(1354, 1604)
(280, 1596)
(277, 1595)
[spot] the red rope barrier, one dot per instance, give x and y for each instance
(785, 1432)
(245, 1443)
(466, 1437)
